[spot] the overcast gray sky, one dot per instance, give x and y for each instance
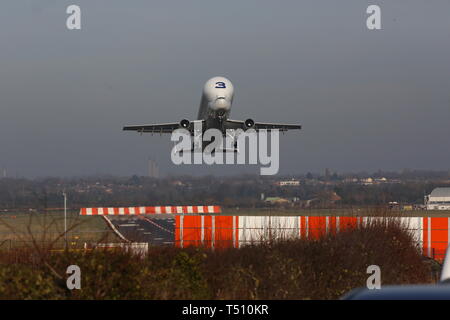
(368, 100)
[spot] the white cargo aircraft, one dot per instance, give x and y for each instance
(215, 107)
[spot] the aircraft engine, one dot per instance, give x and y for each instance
(184, 124)
(249, 123)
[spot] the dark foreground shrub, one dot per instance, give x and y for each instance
(321, 269)
(288, 269)
(18, 281)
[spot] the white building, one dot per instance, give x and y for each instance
(439, 199)
(288, 183)
(367, 181)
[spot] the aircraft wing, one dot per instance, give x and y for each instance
(165, 127)
(238, 124)
(154, 128)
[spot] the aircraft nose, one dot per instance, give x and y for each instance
(221, 104)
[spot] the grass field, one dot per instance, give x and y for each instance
(19, 229)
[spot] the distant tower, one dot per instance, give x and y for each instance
(327, 174)
(153, 169)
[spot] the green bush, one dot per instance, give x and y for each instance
(18, 281)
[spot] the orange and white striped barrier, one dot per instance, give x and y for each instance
(431, 233)
(192, 228)
(150, 210)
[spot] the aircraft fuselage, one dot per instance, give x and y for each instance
(216, 102)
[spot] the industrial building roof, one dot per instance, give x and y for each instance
(440, 192)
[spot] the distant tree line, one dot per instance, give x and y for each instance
(238, 191)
